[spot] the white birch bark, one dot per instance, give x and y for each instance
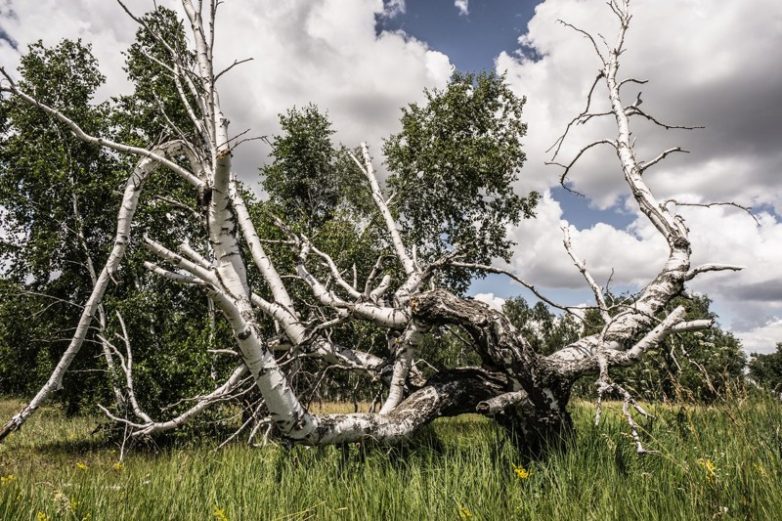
(582, 356)
(404, 353)
(377, 196)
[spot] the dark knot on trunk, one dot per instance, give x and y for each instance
(204, 196)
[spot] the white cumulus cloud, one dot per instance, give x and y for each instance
(321, 51)
(709, 63)
(763, 339)
(490, 299)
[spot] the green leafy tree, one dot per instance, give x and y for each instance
(545, 331)
(303, 178)
(312, 181)
(766, 370)
(51, 183)
(154, 108)
(453, 169)
(54, 190)
(453, 166)
(314, 186)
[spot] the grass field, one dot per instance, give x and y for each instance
(722, 462)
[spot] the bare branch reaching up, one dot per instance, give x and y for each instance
(711, 267)
(650, 340)
(644, 166)
(572, 163)
(746, 209)
(228, 69)
(181, 278)
(589, 37)
(599, 299)
(491, 269)
(329, 262)
(193, 268)
(580, 119)
(627, 81)
(635, 110)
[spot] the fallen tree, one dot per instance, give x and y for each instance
(409, 296)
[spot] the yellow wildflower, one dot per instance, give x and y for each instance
(40, 516)
(118, 466)
(709, 467)
(521, 472)
(82, 466)
(220, 514)
(7, 480)
(464, 513)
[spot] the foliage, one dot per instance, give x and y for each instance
(155, 106)
(56, 191)
(545, 331)
(453, 169)
(46, 174)
(309, 180)
(766, 370)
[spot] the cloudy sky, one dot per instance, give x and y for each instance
(710, 62)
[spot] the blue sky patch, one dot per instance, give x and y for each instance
(472, 41)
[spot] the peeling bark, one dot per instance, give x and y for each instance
(449, 393)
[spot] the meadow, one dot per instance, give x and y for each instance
(710, 462)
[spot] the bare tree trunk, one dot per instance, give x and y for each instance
(534, 409)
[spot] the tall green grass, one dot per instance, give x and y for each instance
(721, 462)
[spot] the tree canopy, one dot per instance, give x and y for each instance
(766, 369)
(453, 168)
